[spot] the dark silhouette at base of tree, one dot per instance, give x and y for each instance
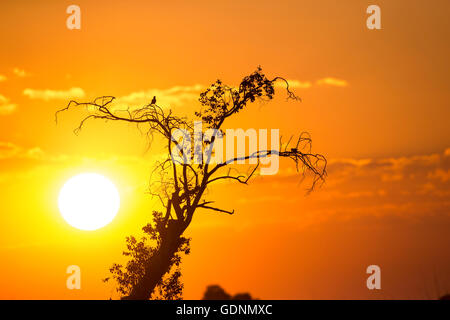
(153, 268)
(216, 292)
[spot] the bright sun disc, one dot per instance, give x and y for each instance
(88, 201)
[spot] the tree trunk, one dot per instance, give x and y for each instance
(159, 264)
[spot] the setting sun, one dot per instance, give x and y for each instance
(88, 201)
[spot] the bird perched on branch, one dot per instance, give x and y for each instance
(154, 100)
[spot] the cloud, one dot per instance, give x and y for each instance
(402, 174)
(48, 94)
(410, 188)
(21, 73)
(6, 107)
(181, 95)
(329, 81)
(171, 97)
(9, 150)
(17, 157)
(2, 78)
(294, 84)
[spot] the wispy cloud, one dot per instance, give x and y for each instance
(5, 106)
(412, 188)
(294, 84)
(48, 94)
(21, 73)
(329, 81)
(180, 95)
(306, 84)
(171, 97)
(9, 150)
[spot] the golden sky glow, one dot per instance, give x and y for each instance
(376, 103)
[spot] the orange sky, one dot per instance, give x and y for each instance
(383, 126)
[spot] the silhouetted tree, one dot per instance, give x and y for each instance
(242, 296)
(153, 269)
(216, 292)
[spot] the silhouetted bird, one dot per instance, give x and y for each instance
(153, 100)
